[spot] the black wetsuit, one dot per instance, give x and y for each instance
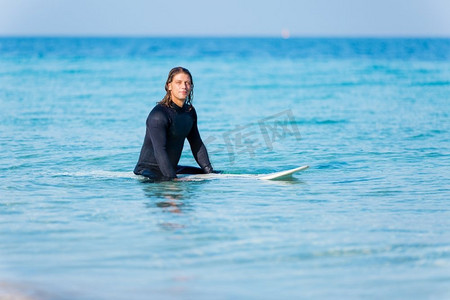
(167, 128)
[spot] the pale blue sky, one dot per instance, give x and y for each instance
(225, 18)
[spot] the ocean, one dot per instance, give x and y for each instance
(369, 219)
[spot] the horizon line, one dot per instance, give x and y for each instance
(199, 36)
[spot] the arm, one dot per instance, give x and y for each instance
(198, 148)
(157, 124)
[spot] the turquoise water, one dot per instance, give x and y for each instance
(369, 219)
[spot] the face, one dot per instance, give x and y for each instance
(179, 88)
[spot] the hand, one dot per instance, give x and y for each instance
(209, 169)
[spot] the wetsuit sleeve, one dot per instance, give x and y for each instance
(157, 124)
(198, 148)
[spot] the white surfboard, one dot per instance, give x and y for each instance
(282, 175)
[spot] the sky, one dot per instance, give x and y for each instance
(288, 18)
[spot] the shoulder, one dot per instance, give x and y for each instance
(192, 111)
(159, 110)
(159, 114)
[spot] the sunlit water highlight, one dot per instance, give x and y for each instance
(369, 219)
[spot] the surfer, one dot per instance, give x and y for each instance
(171, 121)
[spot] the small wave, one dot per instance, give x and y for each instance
(333, 165)
(99, 173)
(321, 121)
(433, 83)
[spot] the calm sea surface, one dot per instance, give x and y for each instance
(370, 218)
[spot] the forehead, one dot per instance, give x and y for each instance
(182, 77)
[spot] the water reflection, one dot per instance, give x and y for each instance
(171, 197)
(286, 182)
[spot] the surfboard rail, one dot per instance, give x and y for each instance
(282, 174)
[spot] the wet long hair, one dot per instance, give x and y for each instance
(167, 100)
